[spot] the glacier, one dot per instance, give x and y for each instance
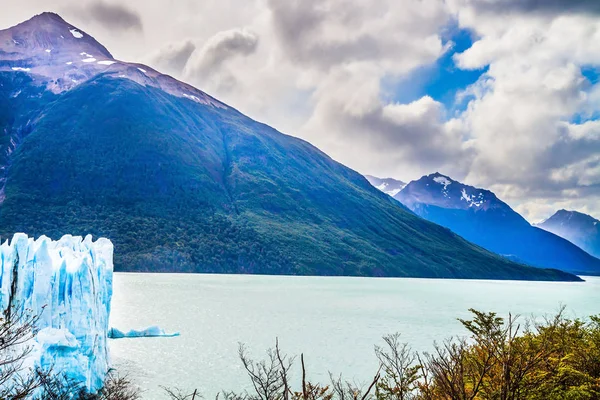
(151, 331)
(68, 284)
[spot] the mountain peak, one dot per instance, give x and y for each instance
(479, 216)
(441, 179)
(47, 38)
(575, 217)
(44, 18)
(62, 57)
(564, 212)
(441, 190)
(577, 227)
(49, 16)
(439, 174)
(389, 186)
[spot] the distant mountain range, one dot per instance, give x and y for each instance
(388, 186)
(181, 182)
(479, 216)
(579, 228)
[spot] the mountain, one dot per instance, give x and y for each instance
(388, 186)
(576, 227)
(181, 182)
(479, 216)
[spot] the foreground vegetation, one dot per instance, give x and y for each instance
(20, 381)
(499, 359)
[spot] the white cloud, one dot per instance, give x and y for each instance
(376, 135)
(525, 149)
(172, 58)
(219, 48)
(319, 70)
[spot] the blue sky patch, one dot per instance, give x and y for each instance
(441, 80)
(592, 74)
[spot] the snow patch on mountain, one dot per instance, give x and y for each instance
(388, 186)
(384, 188)
(76, 34)
(442, 191)
(475, 200)
(75, 58)
(442, 180)
(195, 98)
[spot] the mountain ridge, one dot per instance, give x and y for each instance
(389, 186)
(480, 216)
(48, 46)
(578, 228)
(184, 183)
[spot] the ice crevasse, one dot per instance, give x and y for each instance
(68, 284)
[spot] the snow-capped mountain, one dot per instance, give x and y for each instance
(442, 191)
(480, 216)
(62, 57)
(581, 229)
(389, 186)
(181, 182)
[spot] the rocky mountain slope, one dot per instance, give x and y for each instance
(576, 227)
(389, 186)
(479, 216)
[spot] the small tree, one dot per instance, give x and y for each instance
(555, 359)
(401, 372)
(17, 380)
(270, 377)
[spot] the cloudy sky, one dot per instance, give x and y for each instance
(502, 94)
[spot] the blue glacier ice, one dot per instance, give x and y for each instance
(68, 283)
(151, 331)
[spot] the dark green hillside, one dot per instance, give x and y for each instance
(179, 186)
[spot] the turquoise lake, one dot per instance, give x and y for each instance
(334, 321)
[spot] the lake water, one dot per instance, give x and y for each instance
(335, 322)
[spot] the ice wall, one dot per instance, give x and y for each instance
(68, 283)
(151, 331)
